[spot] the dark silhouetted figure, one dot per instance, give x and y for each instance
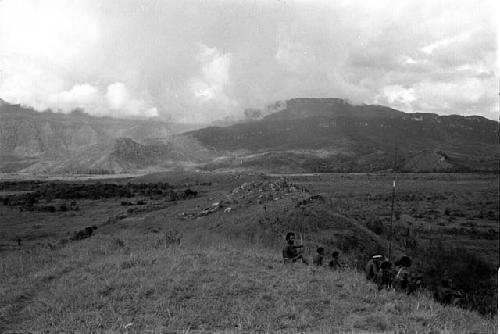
(384, 276)
(334, 263)
(373, 266)
(402, 279)
(292, 253)
(318, 258)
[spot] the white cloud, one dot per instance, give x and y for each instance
(117, 95)
(458, 97)
(210, 86)
(444, 42)
(122, 103)
(198, 61)
(22, 81)
(448, 97)
(397, 96)
(214, 77)
(295, 56)
(50, 30)
(82, 95)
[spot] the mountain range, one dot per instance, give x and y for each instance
(298, 135)
(32, 141)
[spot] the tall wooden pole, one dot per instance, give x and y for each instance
(393, 197)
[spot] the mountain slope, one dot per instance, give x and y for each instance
(127, 155)
(300, 135)
(360, 138)
(30, 138)
(301, 108)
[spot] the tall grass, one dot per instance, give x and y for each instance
(129, 282)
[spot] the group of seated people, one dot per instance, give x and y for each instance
(294, 253)
(378, 269)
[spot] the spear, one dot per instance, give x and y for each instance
(393, 196)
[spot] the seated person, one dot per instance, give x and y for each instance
(384, 276)
(373, 266)
(334, 263)
(292, 253)
(318, 258)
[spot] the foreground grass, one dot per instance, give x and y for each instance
(130, 283)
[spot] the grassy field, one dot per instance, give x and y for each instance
(174, 266)
(461, 210)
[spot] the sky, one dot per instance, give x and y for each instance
(200, 61)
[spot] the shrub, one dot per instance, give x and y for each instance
(376, 226)
(118, 242)
(470, 275)
(172, 238)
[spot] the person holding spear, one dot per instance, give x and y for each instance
(291, 252)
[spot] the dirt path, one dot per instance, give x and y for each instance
(11, 314)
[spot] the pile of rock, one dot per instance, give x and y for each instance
(214, 208)
(260, 192)
(309, 200)
(280, 185)
(249, 193)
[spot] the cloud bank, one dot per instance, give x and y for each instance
(194, 61)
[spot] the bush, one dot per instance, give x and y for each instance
(470, 275)
(172, 238)
(118, 243)
(376, 226)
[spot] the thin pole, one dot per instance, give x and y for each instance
(392, 215)
(393, 197)
(301, 232)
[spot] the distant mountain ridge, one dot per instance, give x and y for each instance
(300, 108)
(328, 135)
(28, 137)
(298, 135)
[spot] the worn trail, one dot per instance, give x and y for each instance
(12, 313)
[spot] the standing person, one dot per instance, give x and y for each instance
(318, 258)
(373, 266)
(292, 253)
(334, 263)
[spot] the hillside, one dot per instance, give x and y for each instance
(328, 135)
(30, 138)
(193, 265)
(126, 155)
(223, 286)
